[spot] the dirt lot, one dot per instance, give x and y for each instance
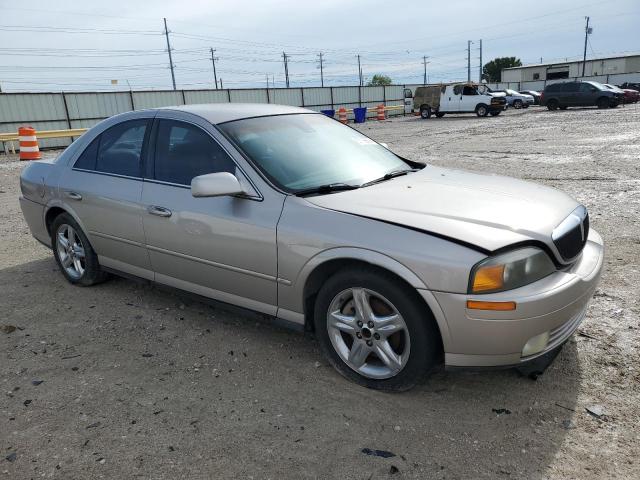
(138, 382)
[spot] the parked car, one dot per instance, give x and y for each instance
(535, 94)
(395, 265)
(631, 85)
(516, 99)
(579, 94)
(626, 97)
(456, 98)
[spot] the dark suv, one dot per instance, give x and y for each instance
(579, 94)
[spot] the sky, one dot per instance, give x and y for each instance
(89, 45)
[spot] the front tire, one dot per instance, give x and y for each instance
(482, 110)
(74, 254)
(374, 331)
(517, 104)
(603, 103)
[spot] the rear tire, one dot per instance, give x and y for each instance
(552, 105)
(414, 345)
(425, 112)
(482, 110)
(74, 254)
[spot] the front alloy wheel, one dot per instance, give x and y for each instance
(368, 333)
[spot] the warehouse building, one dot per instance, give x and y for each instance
(555, 71)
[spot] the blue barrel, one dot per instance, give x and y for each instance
(360, 114)
(329, 113)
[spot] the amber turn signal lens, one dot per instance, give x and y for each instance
(500, 306)
(488, 278)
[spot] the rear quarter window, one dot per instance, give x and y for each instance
(553, 88)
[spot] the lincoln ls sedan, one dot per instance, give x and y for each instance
(396, 266)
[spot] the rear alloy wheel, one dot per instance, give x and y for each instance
(425, 112)
(374, 332)
(517, 104)
(482, 110)
(73, 252)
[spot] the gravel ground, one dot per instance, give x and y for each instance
(141, 382)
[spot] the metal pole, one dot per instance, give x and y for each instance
(166, 34)
(424, 61)
(586, 36)
(321, 72)
(468, 60)
(286, 69)
(359, 71)
(480, 74)
(213, 60)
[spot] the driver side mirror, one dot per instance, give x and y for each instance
(216, 185)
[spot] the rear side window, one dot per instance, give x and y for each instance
(184, 151)
(87, 161)
(570, 87)
(120, 149)
(553, 88)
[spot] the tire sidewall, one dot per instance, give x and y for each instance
(92, 273)
(424, 336)
(480, 109)
(425, 112)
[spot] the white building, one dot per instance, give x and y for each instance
(559, 70)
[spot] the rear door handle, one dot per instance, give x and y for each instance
(74, 196)
(159, 211)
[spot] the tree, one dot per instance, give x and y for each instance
(378, 80)
(492, 71)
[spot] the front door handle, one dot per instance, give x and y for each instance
(74, 196)
(159, 211)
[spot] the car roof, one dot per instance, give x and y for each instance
(217, 113)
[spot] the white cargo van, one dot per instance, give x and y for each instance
(456, 98)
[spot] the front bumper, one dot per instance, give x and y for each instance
(553, 306)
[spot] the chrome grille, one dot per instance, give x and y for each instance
(571, 235)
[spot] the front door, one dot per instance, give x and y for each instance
(220, 247)
(468, 99)
(103, 190)
(450, 100)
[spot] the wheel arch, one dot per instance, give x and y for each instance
(54, 209)
(330, 262)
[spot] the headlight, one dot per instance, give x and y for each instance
(510, 270)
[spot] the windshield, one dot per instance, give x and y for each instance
(303, 151)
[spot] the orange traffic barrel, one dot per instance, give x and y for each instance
(342, 115)
(28, 144)
(380, 109)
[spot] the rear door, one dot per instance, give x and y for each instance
(103, 188)
(569, 94)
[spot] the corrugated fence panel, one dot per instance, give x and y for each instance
(618, 78)
(206, 96)
(537, 85)
(85, 123)
(249, 96)
(28, 107)
(394, 92)
(97, 105)
(345, 95)
(372, 94)
(317, 96)
(144, 100)
(286, 96)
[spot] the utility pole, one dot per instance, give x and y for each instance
(480, 73)
(587, 31)
(267, 75)
(321, 71)
(286, 68)
(469, 42)
(359, 70)
(166, 34)
(424, 62)
(213, 60)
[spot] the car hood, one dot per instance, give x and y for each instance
(485, 211)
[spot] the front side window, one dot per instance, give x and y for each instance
(303, 151)
(184, 151)
(469, 90)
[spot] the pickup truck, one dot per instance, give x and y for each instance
(456, 98)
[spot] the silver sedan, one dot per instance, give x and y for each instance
(396, 266)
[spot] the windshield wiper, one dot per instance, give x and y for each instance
(328, 188)
(389, 176)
